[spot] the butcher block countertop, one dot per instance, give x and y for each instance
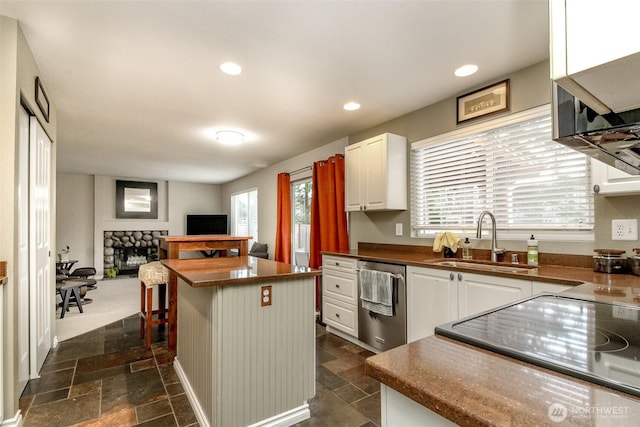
(242, 270)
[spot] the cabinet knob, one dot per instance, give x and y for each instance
(338, 315)
(460, 277)
(337, 264)
(337, 286)
(451, 276)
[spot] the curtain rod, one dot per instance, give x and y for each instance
(304, 169)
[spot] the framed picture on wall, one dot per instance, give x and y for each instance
(488, 100)
(136, 199)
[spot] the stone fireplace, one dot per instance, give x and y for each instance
(125, 251)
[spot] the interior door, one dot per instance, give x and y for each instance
(23, 252)
(41, 289)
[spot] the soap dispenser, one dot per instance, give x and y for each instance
(466, 249)
(532, 251)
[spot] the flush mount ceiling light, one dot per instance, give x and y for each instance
(230, 68)
(351, 106)
(466, 70)
(229, 137)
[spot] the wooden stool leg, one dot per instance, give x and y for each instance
(149, 316)
(143, 311)
(162, 304)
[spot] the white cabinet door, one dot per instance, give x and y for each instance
(477, 292)
(376, 174)
(353, 161)
(595, 51)
(432, 299)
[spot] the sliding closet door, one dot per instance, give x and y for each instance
(41, 288)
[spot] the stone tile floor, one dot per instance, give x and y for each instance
(107, 378)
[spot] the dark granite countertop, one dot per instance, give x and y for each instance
(571, 275)
(227, 271)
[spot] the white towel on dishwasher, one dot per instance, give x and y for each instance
(376, 291)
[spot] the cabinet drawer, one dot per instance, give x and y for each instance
(339, 263)
(340, 316)
(339, 285)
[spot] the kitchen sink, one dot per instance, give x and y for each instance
(485, 266)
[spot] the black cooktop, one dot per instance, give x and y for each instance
(594, 341)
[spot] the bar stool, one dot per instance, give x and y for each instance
(151, 275)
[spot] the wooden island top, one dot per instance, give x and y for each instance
(242, 270)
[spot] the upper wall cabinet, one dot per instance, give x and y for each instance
(595, 51)
(376, 174)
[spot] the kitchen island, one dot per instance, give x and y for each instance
(440, 381)
(246, 339)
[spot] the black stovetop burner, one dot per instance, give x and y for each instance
(594, 341)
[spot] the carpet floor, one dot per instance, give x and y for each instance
(112, 300)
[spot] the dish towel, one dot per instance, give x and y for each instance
(447, 240)
(376, 291)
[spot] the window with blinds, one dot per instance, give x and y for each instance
(509, 166)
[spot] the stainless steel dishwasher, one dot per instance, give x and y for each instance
(379, 331)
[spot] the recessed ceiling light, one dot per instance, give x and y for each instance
(351, 106)
(229, 137)
(466, 70)
(230, 68)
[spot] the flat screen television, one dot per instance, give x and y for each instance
(207, 224)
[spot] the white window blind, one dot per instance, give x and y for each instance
(509, 166)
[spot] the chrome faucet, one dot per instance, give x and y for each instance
(495, 251)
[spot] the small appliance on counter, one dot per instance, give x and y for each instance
(634, 262)
(609, 261)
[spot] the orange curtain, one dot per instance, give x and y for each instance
(283, 226)
(328, 216)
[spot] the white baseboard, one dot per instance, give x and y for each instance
(284, 419)
(16, 421)
(191, 395)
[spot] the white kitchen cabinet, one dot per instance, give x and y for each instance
(376, 174)
(595, 50)
(436, 296)
(609, 181)
(432, 299)
(479, 292)
(398, 410)
(340, 293)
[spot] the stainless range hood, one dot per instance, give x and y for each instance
(613, 138)
(595, 68)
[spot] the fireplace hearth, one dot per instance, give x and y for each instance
(126, 251)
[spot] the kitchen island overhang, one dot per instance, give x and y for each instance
(241, 361)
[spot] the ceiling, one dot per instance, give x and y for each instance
(138, 91)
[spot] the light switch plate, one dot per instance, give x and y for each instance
(624, 229)
(399, 229)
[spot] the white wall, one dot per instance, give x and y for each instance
(265, 181)
(86, 207)
(18, 70)
(75, 217)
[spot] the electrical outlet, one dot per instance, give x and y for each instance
(624, 229)
(399, 229)
(265, 296)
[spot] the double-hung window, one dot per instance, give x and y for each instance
(509, 166)
(244, 214)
